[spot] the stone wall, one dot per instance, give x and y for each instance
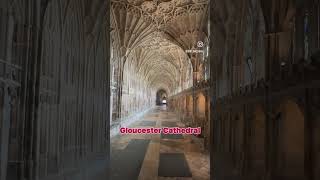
(264, 83)
(193, 109)
(54, 86)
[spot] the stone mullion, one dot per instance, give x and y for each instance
(44, 108)
(236, 80)
(314, 25)
(97, 105)
(69, 131)
(22, 48)
(53, 120)
(79, 97)
(91, 117)
(254, 47)
(228, 132)
(54, 116)
(269, 149)
(255, 43)
(76, 106)
(79, 94)
(14, 65)
(6, 115)
(238, 141)
(59, 109)
(32, 120)
(185, 107)
(82, 102)
(86, 102)
(206, 123)
(106, 91)
(73, 104)
(26, 31)
(94, 108)
(90, 109)
(73, 123)
(232, 135)
(79, 100)
(252, 150)
(318, 20)
(86, 114)
(86, 107)
(105, 103)
(100, 112)
(115, 92)
(65, 123)
(318, 25)
(96, 119)
(226, 67)
(222, 132)
(247, 141)
(242, 30)
(94, 116)
(98, 100)
(232, 68)
(69, 119)
(195, 66)
(82, 106)
(92, 127)
(235, 139)
(180, 107)
(120, 85)
(194, 109)
(65, 109)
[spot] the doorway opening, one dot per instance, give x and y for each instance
(161, 98)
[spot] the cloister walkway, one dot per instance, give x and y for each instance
(158, 156)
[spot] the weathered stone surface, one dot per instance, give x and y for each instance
(55, 86)
(244, 71)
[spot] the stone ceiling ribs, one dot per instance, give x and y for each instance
(156, 33)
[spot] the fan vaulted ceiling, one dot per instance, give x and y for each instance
(156, 34)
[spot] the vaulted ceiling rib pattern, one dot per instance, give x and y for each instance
(130, 27)
(155, 34)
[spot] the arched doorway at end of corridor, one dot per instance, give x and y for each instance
(161, 98)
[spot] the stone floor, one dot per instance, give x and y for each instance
(192, 147)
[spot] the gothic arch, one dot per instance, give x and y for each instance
(292, 139)
(201, 105)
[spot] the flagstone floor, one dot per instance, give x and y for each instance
(147, 167)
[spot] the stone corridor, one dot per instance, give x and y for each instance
(157, 154)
